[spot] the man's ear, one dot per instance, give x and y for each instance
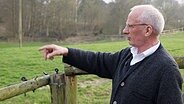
(149, 30)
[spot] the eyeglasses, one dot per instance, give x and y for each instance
(133, 25)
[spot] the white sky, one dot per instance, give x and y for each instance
(107, 1)
(181, 1)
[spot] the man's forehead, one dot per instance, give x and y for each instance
(133, 18)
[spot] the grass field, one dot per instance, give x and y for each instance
(28, 61)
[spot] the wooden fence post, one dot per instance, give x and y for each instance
(71, 89)
(57, 88)
(71, 86)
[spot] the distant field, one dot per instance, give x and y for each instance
(28, 61)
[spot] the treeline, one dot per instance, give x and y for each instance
(64, 18)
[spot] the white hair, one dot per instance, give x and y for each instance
(152, 16)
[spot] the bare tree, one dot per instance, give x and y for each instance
(20, 23)
(59, 19)
(170, 9)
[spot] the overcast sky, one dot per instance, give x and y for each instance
(107, 1)
(181, 1)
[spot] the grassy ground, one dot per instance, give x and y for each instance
(27, 61)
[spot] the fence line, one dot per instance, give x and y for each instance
(173, 30)
(63, 86)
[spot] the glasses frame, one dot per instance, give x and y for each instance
(133, 25)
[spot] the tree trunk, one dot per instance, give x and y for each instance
(20, 23)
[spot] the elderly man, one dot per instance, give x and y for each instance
(141, 74)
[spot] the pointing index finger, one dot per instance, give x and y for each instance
(42, 48)
(45, 47)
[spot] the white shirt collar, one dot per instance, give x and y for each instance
(139, 57)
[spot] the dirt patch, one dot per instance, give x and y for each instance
(94, 83)
(84, 84)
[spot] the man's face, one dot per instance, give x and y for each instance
(135, 30)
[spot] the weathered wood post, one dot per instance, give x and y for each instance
(71, 89)
(57, 88)
(71, 86)
(71, 83)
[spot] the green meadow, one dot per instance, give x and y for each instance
(28, 62)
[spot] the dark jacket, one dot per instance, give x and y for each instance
(154, 80)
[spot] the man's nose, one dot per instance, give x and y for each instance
(125, 31)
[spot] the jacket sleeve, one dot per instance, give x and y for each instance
(170, 89)
(101, 64)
